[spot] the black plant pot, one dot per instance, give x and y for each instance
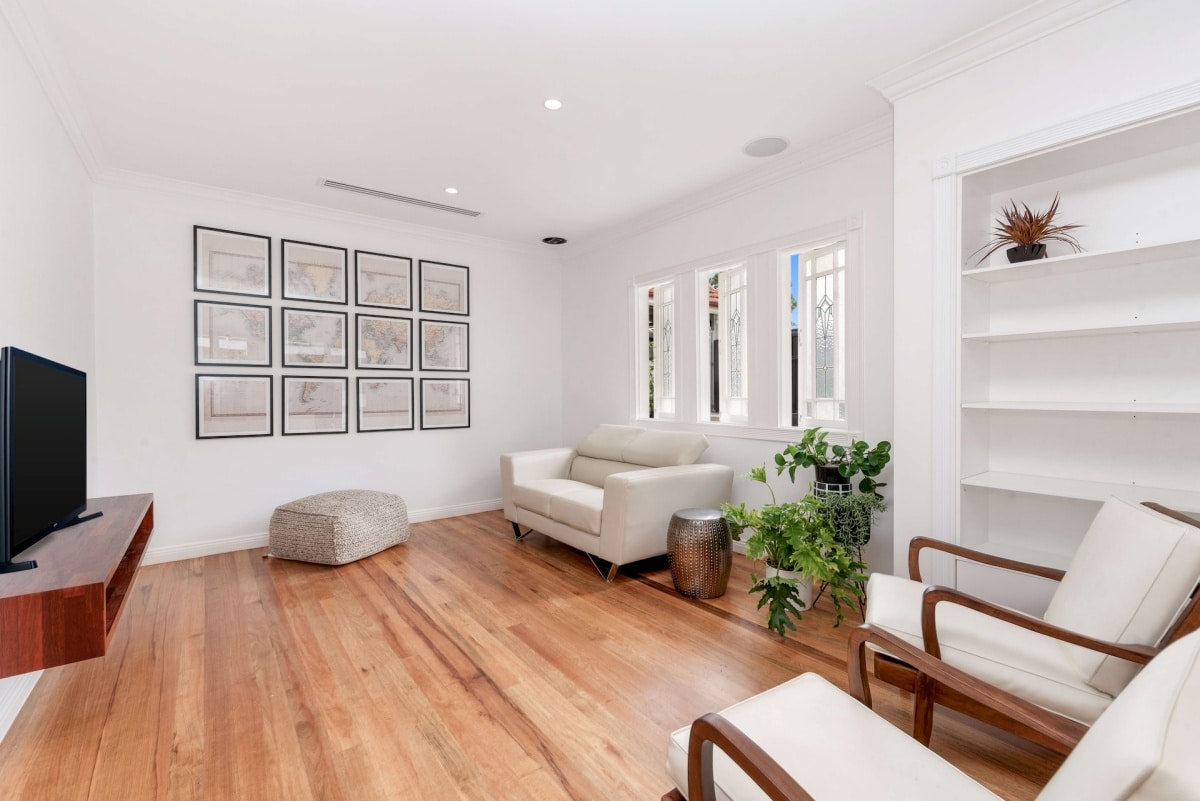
(830, 481)
(1026, 253)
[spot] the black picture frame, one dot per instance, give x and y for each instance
(433, 407)
(244, 267)
(204, 337)
(288, 338)
(375, 286)
(330, 288)
(315, 404)
(445, 346)
(238, 405)
(381, 343)
(444, 288)
(364, 385)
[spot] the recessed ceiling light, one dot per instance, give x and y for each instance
(554, 240)
(450, 190)
(553, 104)
(767, 146)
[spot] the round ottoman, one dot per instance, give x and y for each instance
(699, 551)
(333, 528)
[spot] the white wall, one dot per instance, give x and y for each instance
(45, 250)
(1135, 49)
(597, 303)
(218, 494)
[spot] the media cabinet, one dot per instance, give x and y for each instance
(66, 610)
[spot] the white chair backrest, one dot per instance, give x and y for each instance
(1144, 746)
(1130, 577)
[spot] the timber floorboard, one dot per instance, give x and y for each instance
(460, 665)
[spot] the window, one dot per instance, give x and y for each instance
(657, 387)
(724, 374)
(818, 334)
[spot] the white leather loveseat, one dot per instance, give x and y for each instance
(613, 495)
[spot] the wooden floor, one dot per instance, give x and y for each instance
(461, 665)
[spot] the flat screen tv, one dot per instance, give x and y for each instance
(43, 451)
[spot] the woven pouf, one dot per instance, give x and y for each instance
(333, 528)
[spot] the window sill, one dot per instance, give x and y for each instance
(840, 436)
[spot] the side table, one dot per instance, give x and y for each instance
(699, 551)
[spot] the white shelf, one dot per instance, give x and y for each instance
(1181, 500)
(1086, 406)
(1083, 262)
(1091, 331)
(1034, 556)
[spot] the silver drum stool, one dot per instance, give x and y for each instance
(699, 552)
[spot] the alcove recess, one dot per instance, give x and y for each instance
(1079, 374)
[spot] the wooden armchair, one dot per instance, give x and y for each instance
(1130, 591)
(1140, 749)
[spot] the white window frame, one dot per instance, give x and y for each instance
(661, 371)
(768, 354)
(734, 338)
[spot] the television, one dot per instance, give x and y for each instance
(43, 451)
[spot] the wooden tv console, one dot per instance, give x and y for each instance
(66, 609)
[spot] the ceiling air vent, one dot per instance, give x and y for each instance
(362, 190)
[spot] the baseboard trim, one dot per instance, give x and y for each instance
(14, 692)
(259, 539)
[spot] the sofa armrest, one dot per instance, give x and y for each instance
(516, 468)
(638, 506)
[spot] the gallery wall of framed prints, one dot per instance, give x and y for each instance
(395, 357)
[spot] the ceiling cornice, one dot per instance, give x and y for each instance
(128, 179)
(875, 133)
(60, 90)
(989, 42)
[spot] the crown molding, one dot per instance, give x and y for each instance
(873, 134)
(129, 179)
(991, 41)
(60, 90)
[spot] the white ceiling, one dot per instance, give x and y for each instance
(411, 96)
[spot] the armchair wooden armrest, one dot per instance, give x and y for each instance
(712, 729)
(917, 544)
(1054, 727)
(1141, 654)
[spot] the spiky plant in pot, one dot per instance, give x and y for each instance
(1028, 231)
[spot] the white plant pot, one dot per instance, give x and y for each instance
(803, 583)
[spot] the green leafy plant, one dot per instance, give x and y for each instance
(1023, 226)
(796, 536)
(851, 517)
(858, 457)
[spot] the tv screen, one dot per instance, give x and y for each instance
(43, 448)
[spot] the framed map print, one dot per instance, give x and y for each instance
(314, 272)
(314, 405)
(445, 403)
(385, 404)
(383, 343)
(313, 338)
(444, 345)
(381, 280)
(444, 288)
(230, 262)
(233, 406)
(233, 334)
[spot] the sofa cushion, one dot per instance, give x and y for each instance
(535, 495)
(594, 471)
(607, 442)
(1130, 599)
(1032, 666)
(664, 448)
(579, 508)
(829, 763)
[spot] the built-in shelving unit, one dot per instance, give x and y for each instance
(1078, 376)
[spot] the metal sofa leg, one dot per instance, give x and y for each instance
(517, 532)
(609, 574)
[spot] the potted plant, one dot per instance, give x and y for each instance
(836, 464)
(1028, 232)
(799, 545)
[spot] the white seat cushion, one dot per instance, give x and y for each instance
(571, 503)
(825, 739)
(1130, 576)
(1032, 666)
